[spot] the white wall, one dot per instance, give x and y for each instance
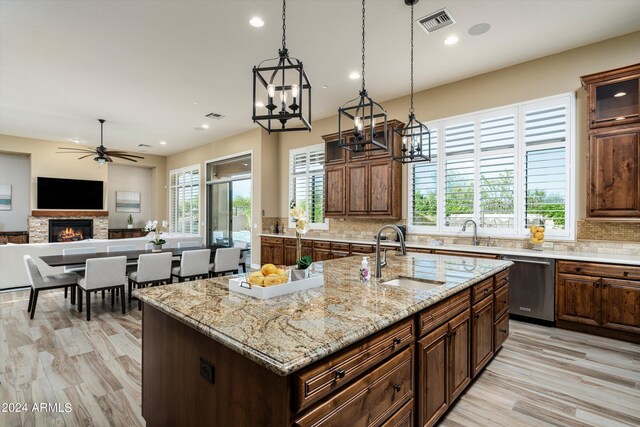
(14, 170)
(130, 178)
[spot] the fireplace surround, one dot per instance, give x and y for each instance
(70, 230)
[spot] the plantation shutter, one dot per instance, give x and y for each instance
(184, 200)
(306, 181)
(459, 146)
(424, 187)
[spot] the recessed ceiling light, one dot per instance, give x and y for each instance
(354, 75)
(619, 94)
(245, 164)
(195, 102)
(205, 126)
(256, 21)
(451, 40)
(479, 29)
(163, 142)
(325, 87)
(75, 140)
(259, 104)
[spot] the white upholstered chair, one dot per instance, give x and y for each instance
(190, 244)
(152, 269)
(101, 274)
(120, 248)
(226, 261)
(40, 283)
(243, 254)
(193, 264)
(78, 268)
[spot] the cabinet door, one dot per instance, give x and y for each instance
(482, 335)
(335, 204)
(322, 254)
(357, 189)
(578, 299)
(432, 373)
(458, 358)
(380, 184)
(290, 255)
(500, 331)
(266, 253)
(621, 305)
(614, 174)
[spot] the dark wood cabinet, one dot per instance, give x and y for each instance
(363, 184)
(272, 250)
(601, 299)
(126, 233)
(613, 163)
(482, 335)
(291, 250)
(614, 173)
(15, 237)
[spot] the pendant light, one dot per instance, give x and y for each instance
(358, 118)
(281, 91)
(415, 136)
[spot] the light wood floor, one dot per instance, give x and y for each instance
(542, 376)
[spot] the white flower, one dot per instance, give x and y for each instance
(165, 223)
(302, 225)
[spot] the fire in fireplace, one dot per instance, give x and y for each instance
(70, 230)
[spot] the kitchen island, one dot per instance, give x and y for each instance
(346, 353)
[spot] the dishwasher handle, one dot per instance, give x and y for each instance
(527, 261)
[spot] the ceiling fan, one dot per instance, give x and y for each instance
(102, 154)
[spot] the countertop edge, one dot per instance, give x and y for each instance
(289, 367)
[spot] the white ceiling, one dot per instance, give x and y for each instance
(141, 64)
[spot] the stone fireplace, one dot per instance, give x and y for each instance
(46, 226)
(70, 230)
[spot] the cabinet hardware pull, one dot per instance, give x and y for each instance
(340, 373)
(625, 274)
(396, 341)
(453, 334)
(578, 269)
(504, 331)
(597, 285)
(477, 316)
(486, 290)
(397, 387)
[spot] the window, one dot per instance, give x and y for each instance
(306, 183)
(504, 168)
(184, 200)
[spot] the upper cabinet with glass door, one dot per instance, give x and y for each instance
(613, 96)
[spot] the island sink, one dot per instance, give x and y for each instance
(413, 283)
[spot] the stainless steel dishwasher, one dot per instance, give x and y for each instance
(531, 288)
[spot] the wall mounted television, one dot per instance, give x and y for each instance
(60, 193)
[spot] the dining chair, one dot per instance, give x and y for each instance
(40, 283)
(190, 244)
(243, 254)
(225, 261)
(77, 268)
(153, 269)
(102, 274)
(120, 248)
(193, 264)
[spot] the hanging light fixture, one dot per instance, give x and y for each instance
(415, 136)
(357, 118)
(281, 91)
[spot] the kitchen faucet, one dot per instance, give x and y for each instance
(475, 240)
(380, 262)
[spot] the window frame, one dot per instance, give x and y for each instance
(307, 151)
(519, 110)
(172, 218)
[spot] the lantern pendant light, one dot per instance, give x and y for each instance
(358, 118)
(415, 136)
(281, 91)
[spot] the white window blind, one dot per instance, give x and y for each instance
(503, 168)
(184, 200)
(306, 182)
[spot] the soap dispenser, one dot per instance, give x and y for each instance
(365, 271)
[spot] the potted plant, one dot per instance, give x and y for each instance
(130, 221)
(299, 217)
(153, 226)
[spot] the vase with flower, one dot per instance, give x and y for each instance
(156, 228)
(300, 219)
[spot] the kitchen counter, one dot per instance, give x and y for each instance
(559, 255)
(287, 333)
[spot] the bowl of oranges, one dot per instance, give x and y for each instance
(268, 275)
(536, 236)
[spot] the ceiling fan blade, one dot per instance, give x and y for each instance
(124, 153)
(84, 157)
(118, 156)
(75, 149)
(75, 152)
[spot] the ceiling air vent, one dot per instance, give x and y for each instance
(214, 116)
(437, 20)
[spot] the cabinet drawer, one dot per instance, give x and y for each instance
(500, 331)
(600, 270)
(272, 240)
(364, 249)
(294, 243)
(500, 302)
(321, 245)
(331, 374)
(369, 401)
(340, 246)
(402, 418)
(467, 254)
(482, 289)
(435, 316)
(502, 279)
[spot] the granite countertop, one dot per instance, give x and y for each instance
(290, 332)
(496, 250)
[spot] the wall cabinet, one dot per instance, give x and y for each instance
(602, 299)
(363, 184)
(15, 237)
(613, 164)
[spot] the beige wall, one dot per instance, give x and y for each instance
(45, 162)
(543, 77)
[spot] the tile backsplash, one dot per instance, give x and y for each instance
(600, 237)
